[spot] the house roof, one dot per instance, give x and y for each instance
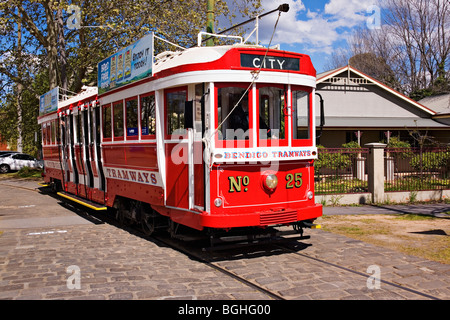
(321, 77)
(439, 103)
(378, 122)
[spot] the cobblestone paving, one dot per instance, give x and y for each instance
(114, 263)
(300, 277)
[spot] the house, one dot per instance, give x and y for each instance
(360, 108)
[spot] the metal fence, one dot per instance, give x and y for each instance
(341, 170)
(413, 169)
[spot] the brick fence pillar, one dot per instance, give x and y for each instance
(376, 171)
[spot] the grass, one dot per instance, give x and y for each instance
(412, 234)
(24, 173)
(414, 217)
(27, 172)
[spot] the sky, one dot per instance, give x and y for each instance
(317, 27)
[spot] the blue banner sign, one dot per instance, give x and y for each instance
(48, 102)
(130, 64)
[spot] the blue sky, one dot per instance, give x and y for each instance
(315, 27)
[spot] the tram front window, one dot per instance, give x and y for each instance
(233, 114)
(272, 124)
(300, 110)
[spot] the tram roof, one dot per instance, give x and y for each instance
(170, 59)
(203, 55)
(87, 92)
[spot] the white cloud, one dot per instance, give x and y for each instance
(316, 30)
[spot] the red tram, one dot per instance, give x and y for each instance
(215, 138)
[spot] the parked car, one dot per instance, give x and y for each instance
(17, 161)
(3, 152)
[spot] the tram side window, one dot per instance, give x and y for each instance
(118, 119)
(175, 111)
(272, 124)
(300, 106)
(107, 121)
(48, 135)
(234, 126)
(148, 115)
(91, 126)
(53, 130)
(56, 132)
(79, 138)
(132, 117)
(44, 134)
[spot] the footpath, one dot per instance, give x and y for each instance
(438, 210)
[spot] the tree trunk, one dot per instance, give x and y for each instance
(62, 50)
(52, 50)
(19, 86)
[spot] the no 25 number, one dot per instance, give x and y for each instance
(294, 180)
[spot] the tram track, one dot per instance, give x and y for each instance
(362, 274)
(274, 295)
(198, 255)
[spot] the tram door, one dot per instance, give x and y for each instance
(184, 160)
(68, 150)
(95, 148)
(86, 143)
(64, 151)
(72, 156)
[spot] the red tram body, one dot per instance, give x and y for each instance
(169, 145)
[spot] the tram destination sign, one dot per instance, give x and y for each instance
(270, 62)
(128, 65)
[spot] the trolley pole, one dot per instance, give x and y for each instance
(210, 22)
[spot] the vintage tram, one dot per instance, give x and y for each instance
(216, 138)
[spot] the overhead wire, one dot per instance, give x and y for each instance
(255, 75)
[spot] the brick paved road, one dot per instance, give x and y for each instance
(41, 238)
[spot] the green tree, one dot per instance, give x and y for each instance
(45, 43)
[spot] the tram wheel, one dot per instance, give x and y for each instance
(147, 224)
(120, 212)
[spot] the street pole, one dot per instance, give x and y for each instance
(210, 22)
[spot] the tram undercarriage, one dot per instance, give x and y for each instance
(138, 214)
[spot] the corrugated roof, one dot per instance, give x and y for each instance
(438, 103)
(332, 73)
(381, 122)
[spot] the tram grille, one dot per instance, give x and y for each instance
(277, 217)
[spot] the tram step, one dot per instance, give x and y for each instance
(42, 184)
(84, 202)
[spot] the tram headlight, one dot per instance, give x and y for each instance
(270, 181)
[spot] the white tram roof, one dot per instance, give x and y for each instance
(85, 93)
(200, 64)
(170, 59)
